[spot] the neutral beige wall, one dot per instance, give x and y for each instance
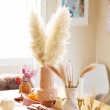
(83, 39)
(103, 38)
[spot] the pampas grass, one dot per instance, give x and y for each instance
(60, 72)
(50, 45)
(87, 69)
(64, 75)
(38, 35)
(58, 33)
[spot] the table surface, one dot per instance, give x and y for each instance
(15, 93)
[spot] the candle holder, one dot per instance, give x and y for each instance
(80, 103)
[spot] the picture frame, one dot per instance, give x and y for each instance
(80, 16)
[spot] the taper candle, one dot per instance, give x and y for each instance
(71, 71)
(80, 95)
(20, 66)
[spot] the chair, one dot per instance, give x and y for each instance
(97, 78)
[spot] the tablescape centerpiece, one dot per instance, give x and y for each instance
(25, 85)
(66, 75)
(49, 45)
(80, 82)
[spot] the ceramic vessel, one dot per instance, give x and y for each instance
(25, 87)
(70, 102)
(47, 93)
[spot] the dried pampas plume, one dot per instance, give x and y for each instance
(50, 45)
(87, 69)
(57, 32)
(37, 31)
(59, 71)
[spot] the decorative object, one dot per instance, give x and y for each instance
(80, 102)
(32, 96)
(47, 93)
(49, 45)
(80, 95)
(38, 107)
(27, 73)
(78, 9)
(81, 79)
(20, 66)
(27, 101)
(88, 68)
(67, 78)
(58, 103)
(70, 102)
(25, 85)
(7, 104)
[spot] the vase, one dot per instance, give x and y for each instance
(70, 102)
(47, 93)
(25, 87)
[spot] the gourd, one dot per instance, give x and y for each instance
(7, 104)
(32, 96)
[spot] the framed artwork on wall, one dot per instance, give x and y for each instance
(78, 10)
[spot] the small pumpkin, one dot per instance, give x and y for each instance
(7, 104)
(32, 96)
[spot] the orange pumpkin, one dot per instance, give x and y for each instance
(32, 96)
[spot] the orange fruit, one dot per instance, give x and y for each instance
(32, 96)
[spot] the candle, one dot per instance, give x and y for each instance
(20, 65)
(80, 88)
(70, 70)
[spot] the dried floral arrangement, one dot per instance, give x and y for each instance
(49, 44)
(28, 73)
(64, 72)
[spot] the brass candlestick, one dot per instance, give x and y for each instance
(80, 103)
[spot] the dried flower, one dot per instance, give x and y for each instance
(49, 45)
(27, 73)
